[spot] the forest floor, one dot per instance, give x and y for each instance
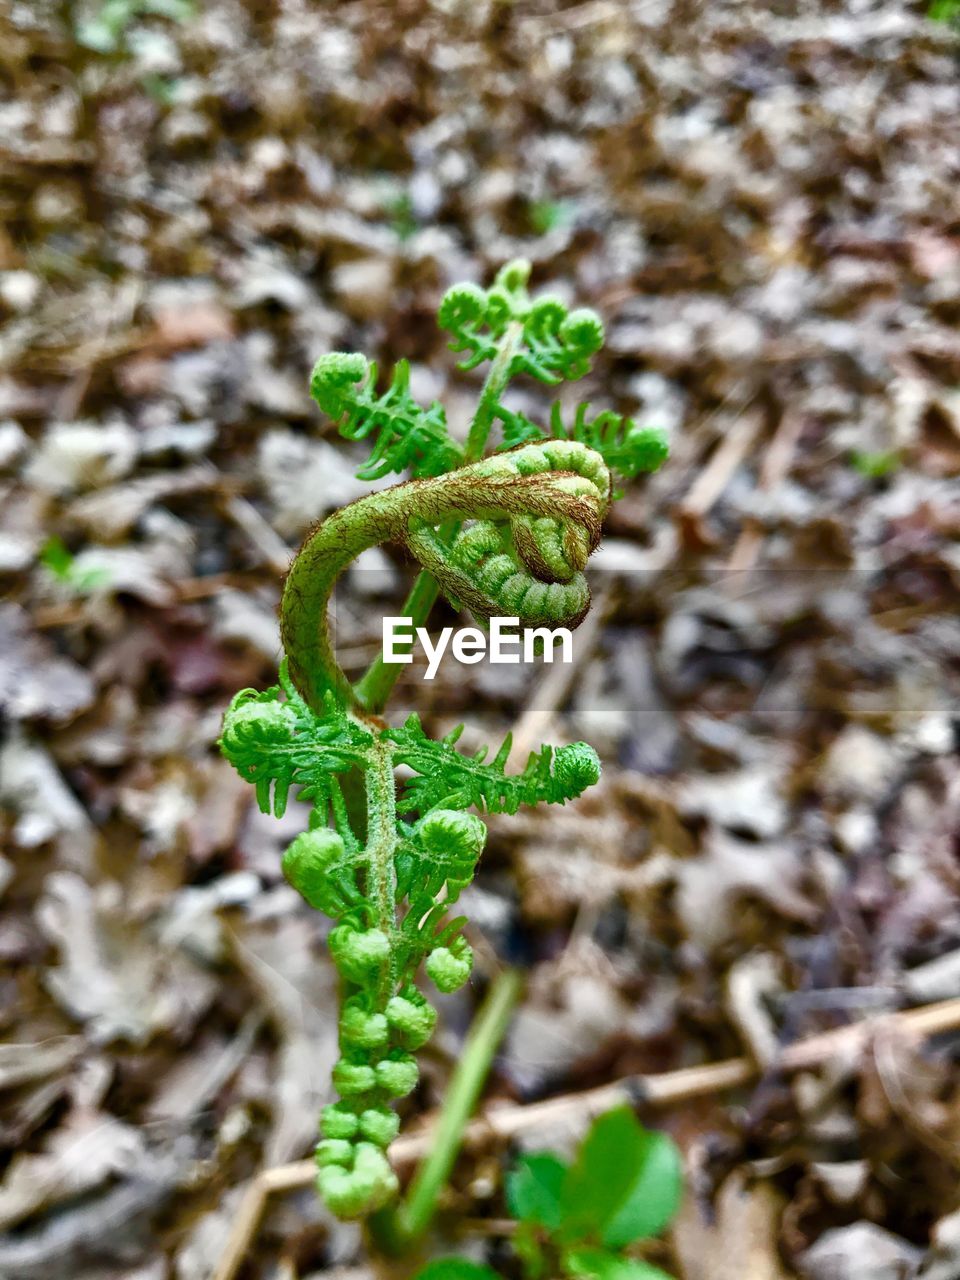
(760, 199)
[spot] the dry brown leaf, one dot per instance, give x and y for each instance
(736, 1240)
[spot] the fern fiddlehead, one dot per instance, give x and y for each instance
(552, 498)
(504, 534)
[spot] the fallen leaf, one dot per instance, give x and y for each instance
(35, 680)
(862, 1251)
(737, 1241)
(112, 976)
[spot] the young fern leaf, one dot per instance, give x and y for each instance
(554, 343)
(504, 534)
(467, 310)
(558, 344)
(406, 436)
(278, 745)
(447, 779)
(626, 447)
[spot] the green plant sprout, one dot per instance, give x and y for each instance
(58, 560)
(505, 533)
(944, 11)
(403, 221)
(876, 465)
(623, 1186)
(547, 215)
(107, 29)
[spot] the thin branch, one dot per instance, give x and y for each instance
(273, 550)
(714, 477)
(774, 468)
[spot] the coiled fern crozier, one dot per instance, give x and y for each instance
(504, 534)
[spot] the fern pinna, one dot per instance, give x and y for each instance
(504, 534)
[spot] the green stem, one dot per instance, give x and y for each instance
(373, 688)
(493, 388)
(398, 1230)
(382, 844)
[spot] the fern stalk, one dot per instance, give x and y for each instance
(399, 1228)
(493, 388)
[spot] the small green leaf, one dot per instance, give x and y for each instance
(624, 1185)
(175, 10)
(875, 465)
(98, 36)
(598, 1264)
(655, 1196)
(86, 581)
(402, 218)
(533, 1189)
(55, 556)
(162, 89)
(456, 1269)
(547, 215)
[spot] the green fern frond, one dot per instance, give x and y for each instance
(463, 312)
(625, 446)
(279, 745)
(506, 535)
(554, 343)
(406, 436)
(447, 779)
(558, 344)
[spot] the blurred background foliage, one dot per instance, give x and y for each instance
(197, 200)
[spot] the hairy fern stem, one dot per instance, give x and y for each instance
(493, 388)
(381, 852)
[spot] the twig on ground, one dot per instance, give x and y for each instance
(773, 471)
(715, 476)
(891, 1079)
(261, 534)
(120, 313)
(68, 613)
